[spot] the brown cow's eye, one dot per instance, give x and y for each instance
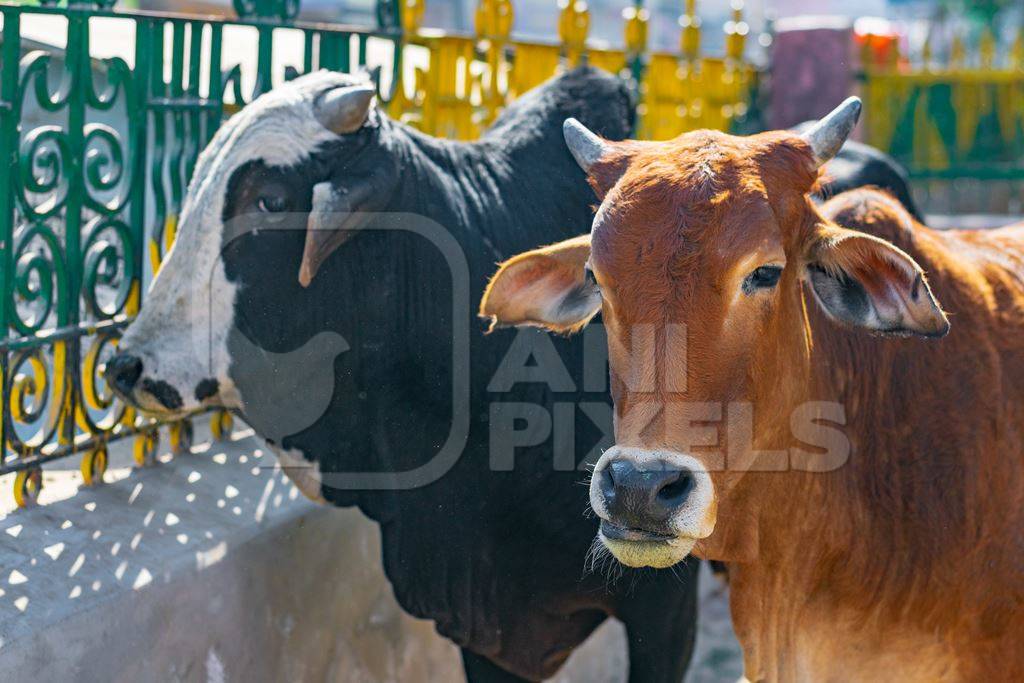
(764, 277)
(588, 276)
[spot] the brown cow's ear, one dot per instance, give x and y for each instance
(864, 281)
(547, 288)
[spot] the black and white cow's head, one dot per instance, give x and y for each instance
(295, 160)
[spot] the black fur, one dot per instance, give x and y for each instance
(496, 558)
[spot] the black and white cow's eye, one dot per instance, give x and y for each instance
(272, 204)
(764, 277)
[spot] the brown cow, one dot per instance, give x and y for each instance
(779, 408)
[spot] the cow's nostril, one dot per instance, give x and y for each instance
(620, 472)
(674, 493)
(607, 483)
(123, 371)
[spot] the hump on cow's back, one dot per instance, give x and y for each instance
(874, 212)
(600, 100)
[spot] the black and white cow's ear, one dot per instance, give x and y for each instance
(345, 109)
(863, 281)
(335, 215)
(547, 287)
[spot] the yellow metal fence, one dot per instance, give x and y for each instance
(468, 79)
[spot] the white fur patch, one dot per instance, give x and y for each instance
(303, 473)
(643, 554)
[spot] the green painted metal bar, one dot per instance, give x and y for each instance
(195, 118)
(177, 141)
(139, 142)
(264, 61)
(216, 79)
(9, 57)
(307, 52)
(158, 89)
(79, 66)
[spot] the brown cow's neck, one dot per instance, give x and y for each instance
(922, 499)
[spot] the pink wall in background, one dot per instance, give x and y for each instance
(812, 70)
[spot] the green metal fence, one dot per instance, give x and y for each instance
(93, 151)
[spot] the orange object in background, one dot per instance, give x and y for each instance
(878, 42)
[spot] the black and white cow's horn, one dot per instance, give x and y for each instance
(828, 135)
(372, 74)
(586, 147)
(344, 110)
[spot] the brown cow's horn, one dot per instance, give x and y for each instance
(586, 147)
(344, 110)
(828, 135)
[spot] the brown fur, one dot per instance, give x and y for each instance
(905, 561)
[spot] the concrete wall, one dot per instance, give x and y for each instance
(211, 567)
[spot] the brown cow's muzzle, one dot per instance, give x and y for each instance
(643, 497)
(653, 505)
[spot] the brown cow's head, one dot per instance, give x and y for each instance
(704, 256)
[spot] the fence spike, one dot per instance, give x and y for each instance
(736, 30)
(573, 28)
(689, 39)
(635, 30)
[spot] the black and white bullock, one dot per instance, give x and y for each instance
(363, 361)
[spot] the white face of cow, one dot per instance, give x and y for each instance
(174, 357)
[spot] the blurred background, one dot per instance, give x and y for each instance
(914, 20)
(942, 78)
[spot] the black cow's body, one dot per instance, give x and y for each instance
(860, 165)
(496, 558)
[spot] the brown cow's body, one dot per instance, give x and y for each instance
(906, 562)
(879, 543)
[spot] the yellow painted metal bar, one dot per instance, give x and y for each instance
(493, 23)
(685, 91)
(469, 79)
(573, 28)
(534, 64)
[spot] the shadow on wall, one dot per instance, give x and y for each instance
(211, 566)
(215, 568)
